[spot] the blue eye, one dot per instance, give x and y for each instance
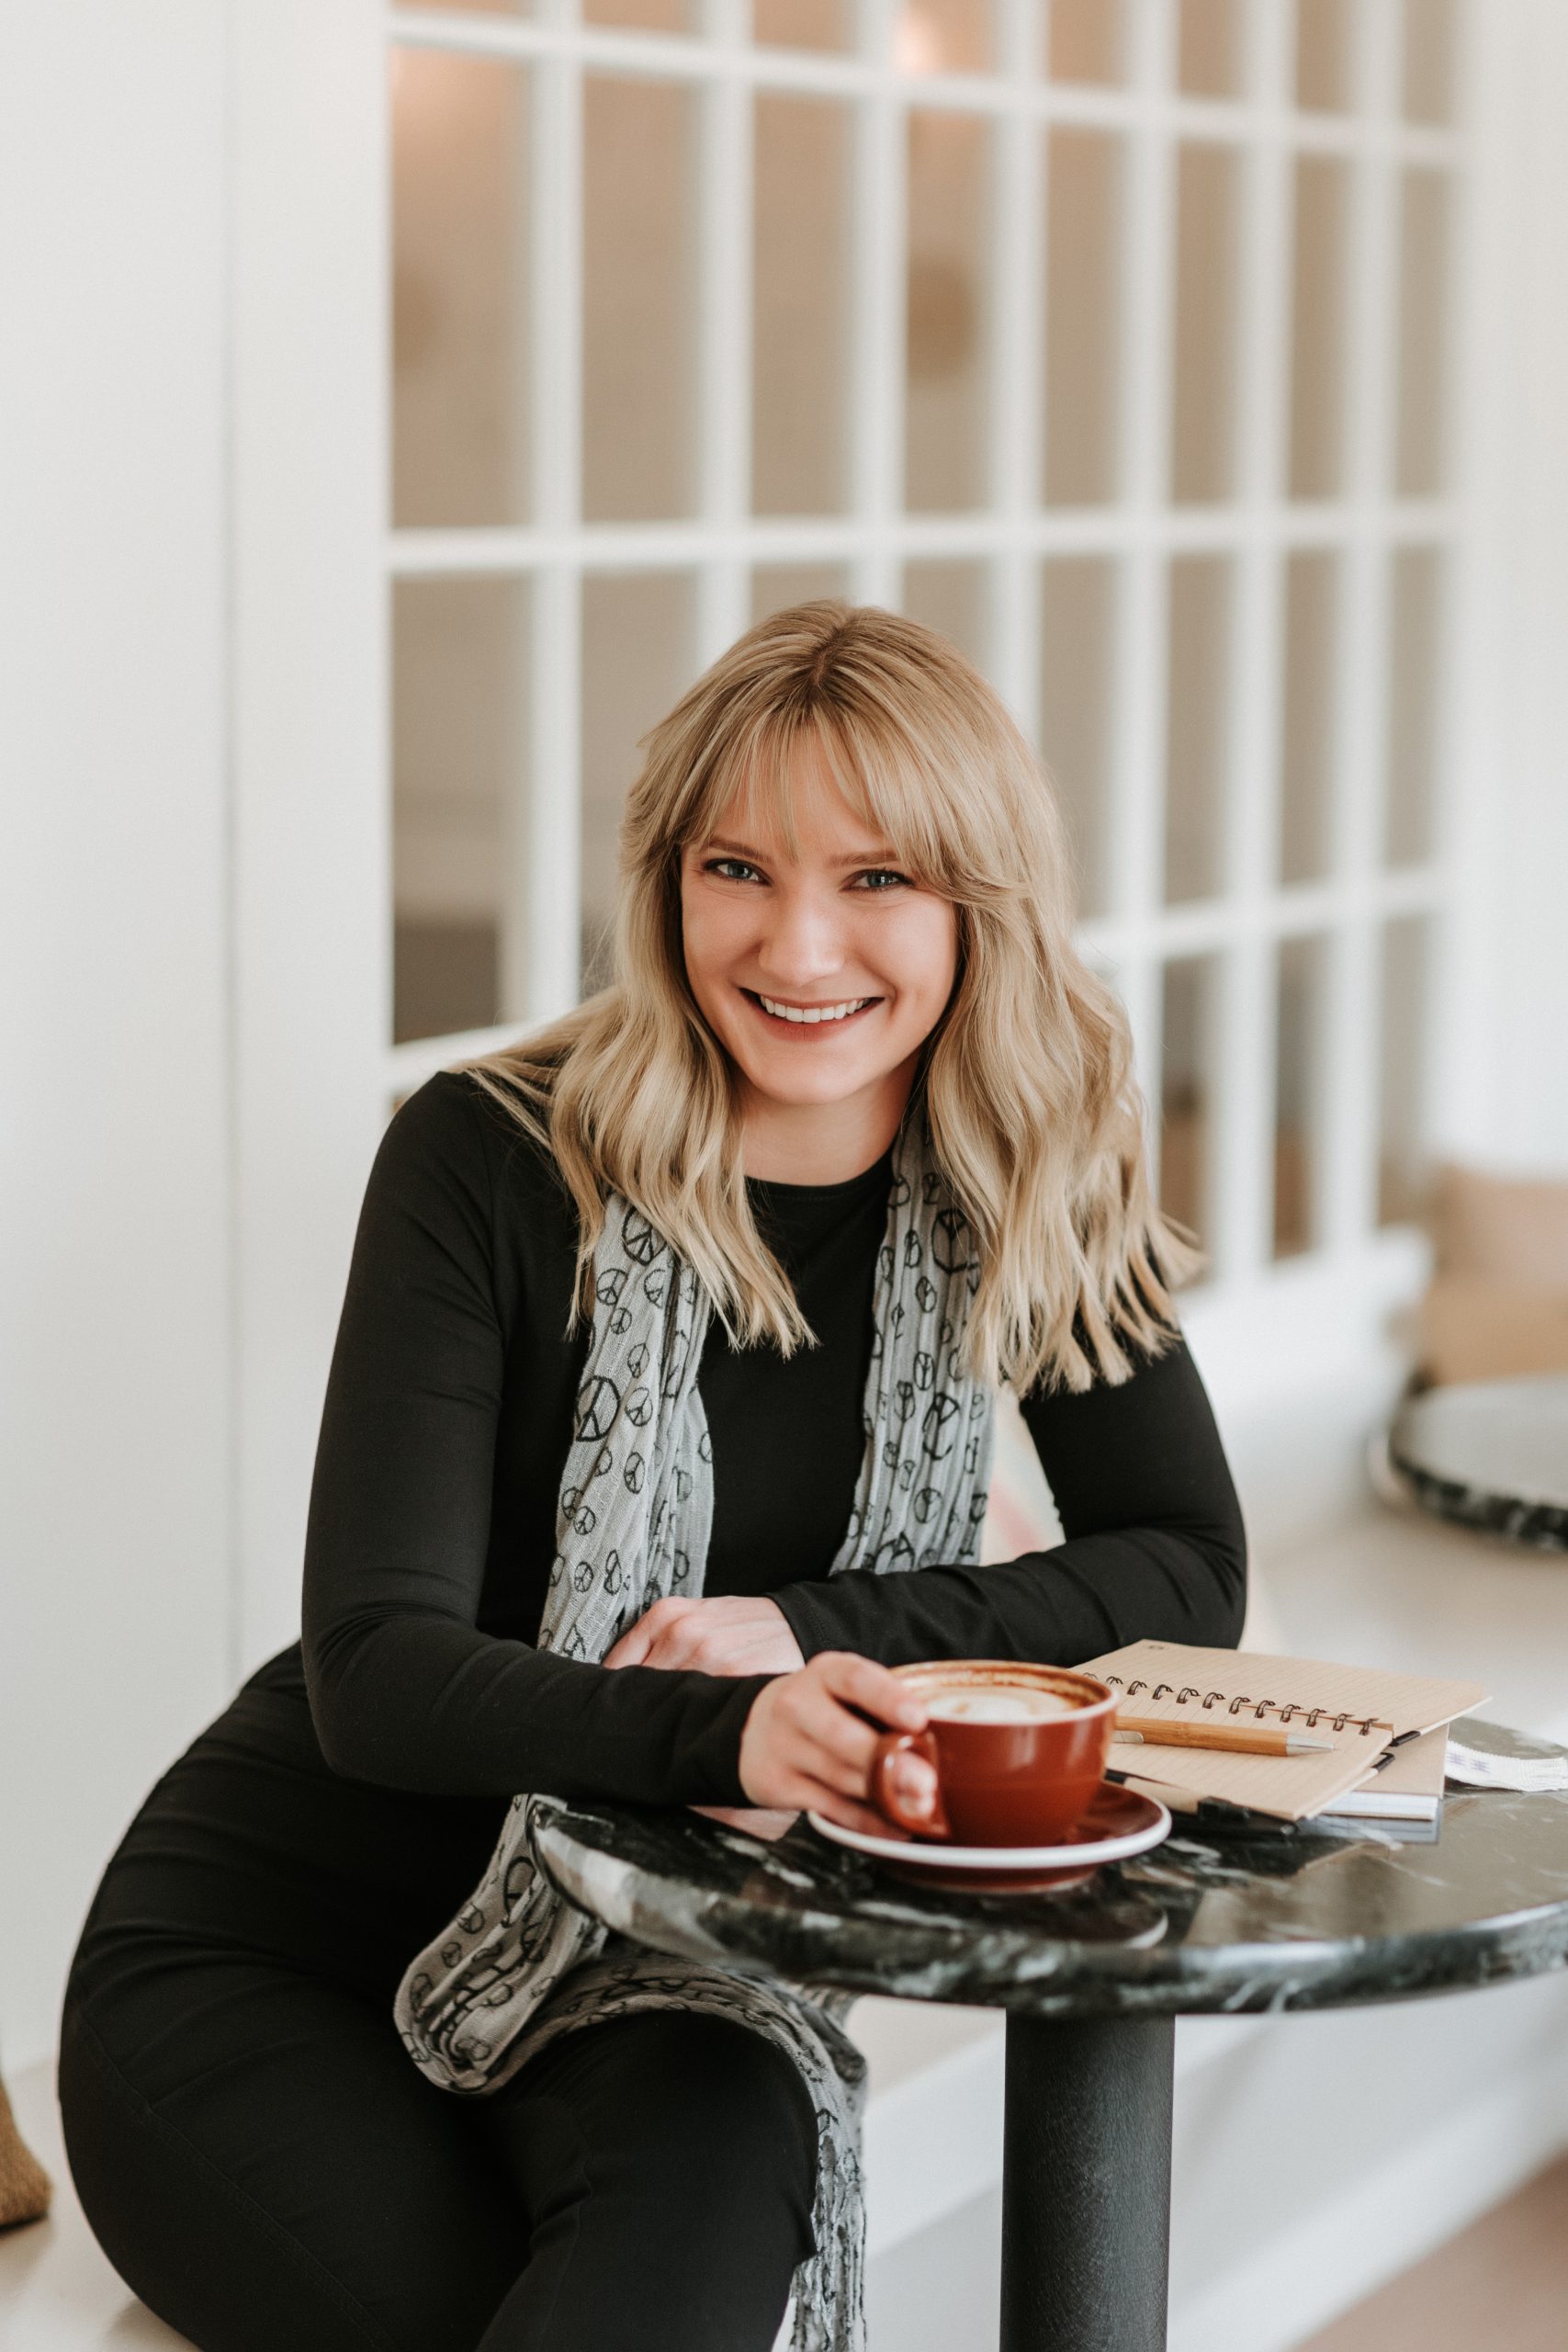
(880, 873)
(718, 864)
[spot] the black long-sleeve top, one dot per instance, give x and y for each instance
(447, 1420)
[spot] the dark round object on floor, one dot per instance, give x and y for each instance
(1491, 1454)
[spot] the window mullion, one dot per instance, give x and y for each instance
(1140, 670)
(724, 331)
(1354, 1003)
(1243, 1185)
(1016, 409)
(877, 323)
(550, 881)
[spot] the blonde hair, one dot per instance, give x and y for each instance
(1034, 1120)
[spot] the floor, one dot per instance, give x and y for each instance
(1502, 2282)
(57, 2292)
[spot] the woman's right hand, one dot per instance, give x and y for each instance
(807, 1742)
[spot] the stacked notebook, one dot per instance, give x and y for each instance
(1387, 1733)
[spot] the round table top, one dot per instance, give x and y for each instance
(1203, 1922)
(1490, 1453)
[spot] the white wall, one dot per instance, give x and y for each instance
(1505, 1092)
(310, 958)
(114, 1172)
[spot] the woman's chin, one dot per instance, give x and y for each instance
(794, 1088)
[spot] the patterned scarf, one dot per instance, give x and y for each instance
(518, 1966)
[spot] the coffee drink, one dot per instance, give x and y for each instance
(1018, 1751)
(1003, 1703)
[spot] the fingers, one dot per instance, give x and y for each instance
(848, 1813)
(637, 1643)
(674, 1647)
(914, 1783)
(839, 1744)
(802, 1792)
(807, 1742)
(836, 1745)
(860, 1682)
(724, 1636)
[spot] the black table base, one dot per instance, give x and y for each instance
(1086, 2184)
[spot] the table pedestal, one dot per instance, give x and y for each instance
(1086, 2184)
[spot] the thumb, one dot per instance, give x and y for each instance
(632, 1647)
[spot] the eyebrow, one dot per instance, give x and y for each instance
(883, 857)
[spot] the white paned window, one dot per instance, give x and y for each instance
(1110, 340)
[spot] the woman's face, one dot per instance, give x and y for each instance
(821, 975)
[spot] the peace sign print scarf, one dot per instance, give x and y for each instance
(519, 1965)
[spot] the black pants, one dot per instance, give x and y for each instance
(265, 2167)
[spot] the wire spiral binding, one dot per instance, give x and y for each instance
(1310, 1716)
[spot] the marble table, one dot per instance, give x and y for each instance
(1491, 1454)
(1092, 1979)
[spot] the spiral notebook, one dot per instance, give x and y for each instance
(1361, 1708)
(1405, 1783)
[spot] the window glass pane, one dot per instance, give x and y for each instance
(459, 794)
(1423, 339)
(1083, 219)
(1087, 40)
(943, 37)
(1306, 799)
(1317, 329)
(776, 586)
(637, 300)
(1078, 651)
(460, 439)
(1403, 1169)
(803, 24)
(801, 240)
(1208, 198)
(1196, 750)
(949, 232)
(639, 636)
(646, 15)
(1415, 624)
(1210, 55)
(956, 600)
(1299, 1095)
(1322, 55)
(1428, 60)
(1188, 1060)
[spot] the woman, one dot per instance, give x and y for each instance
(849, 1015)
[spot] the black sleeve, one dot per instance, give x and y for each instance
(405, 1689)
(1155, 1547)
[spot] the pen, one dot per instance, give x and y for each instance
(1240, 1740)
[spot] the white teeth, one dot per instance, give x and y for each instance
(801, 1013)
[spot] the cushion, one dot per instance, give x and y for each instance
(1497, 1307)
(25, 2187)
(1511, 1230)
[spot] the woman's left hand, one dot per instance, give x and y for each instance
(731, 1634)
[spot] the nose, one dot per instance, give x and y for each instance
(803, 939)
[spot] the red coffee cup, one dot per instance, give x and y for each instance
(1019, 1751)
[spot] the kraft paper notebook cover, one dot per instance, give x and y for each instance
(1406, 1785)
(1361, 1708)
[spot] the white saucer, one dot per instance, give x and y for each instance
(1146, 1823)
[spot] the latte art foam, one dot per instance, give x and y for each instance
(1009, 1703)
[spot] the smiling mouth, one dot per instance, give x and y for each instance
(809, 1016)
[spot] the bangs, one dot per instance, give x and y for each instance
(891, 785)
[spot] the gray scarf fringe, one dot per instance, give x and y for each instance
(519, 1966)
